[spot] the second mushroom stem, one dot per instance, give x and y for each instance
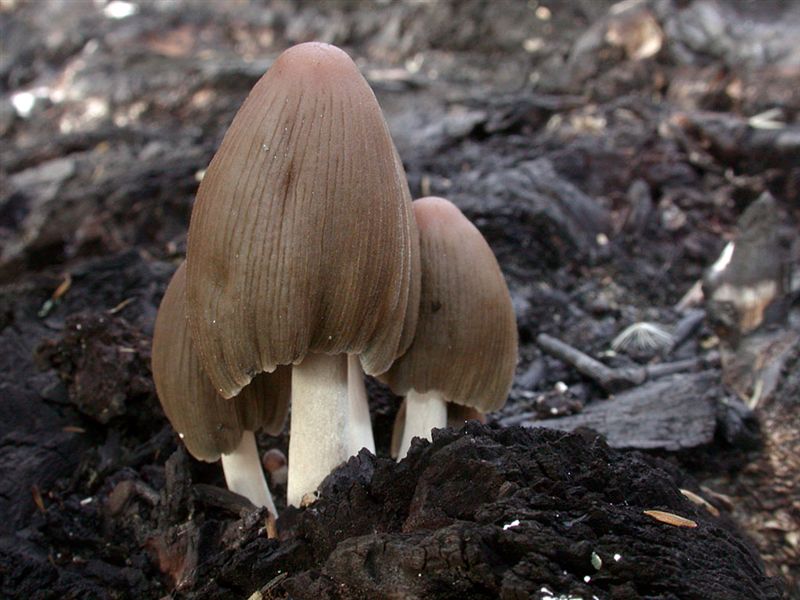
(423, 412)
(361, 424)
(245, 475)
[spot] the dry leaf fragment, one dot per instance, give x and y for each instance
(63, 287)
(670, 519)
(37, 498)
(120, 306)
(51, 302)
(73, 429)
(273, 583)
(719, 498)
(700, 501)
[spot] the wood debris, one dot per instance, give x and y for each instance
(272, 527)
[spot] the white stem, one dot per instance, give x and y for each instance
(423, 412)
(245, 475)
(361, 432)
(320, 435)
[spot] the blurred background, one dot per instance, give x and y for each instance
(132, 98)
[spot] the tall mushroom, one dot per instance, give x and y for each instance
(210, 426)
(303, 249)
(465, 347)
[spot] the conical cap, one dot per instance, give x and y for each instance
(302, 237)
(208, 424)
(465, 345)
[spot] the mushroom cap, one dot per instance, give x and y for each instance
(302, 237)
(208, 424)
(465, 345)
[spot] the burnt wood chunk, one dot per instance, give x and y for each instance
(672, 413)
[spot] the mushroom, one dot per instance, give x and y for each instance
(465, 347)
(303, 250)
(457, 415)
(210, 426)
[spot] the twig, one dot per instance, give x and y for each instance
(686, 328)
(614, 380)
(680, 366)
(608, 378)
(218, 497)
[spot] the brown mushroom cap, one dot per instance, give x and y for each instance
(465, 347)
(302, 237)
(208, 424)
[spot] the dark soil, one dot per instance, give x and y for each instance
(493, 513)
(606, 156)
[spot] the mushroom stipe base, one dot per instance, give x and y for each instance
(424, 412)
(245, 475)
(327, 421)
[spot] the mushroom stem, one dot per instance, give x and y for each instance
(244, 474)
(320, 437)
(423, 412)
(361, 424)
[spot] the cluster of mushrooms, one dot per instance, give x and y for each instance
(308, 265)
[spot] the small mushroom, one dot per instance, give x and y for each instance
(465, 347)
(274, 462)
(210, 426)
(303, 250)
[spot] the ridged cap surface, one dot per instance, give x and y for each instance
(465, 345)
(302, 237)
(209, 425)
